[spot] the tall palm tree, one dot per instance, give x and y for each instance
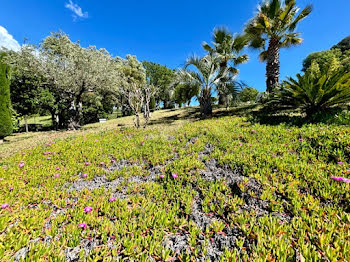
(227, 48)
(274, 26)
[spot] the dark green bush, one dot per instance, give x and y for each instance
(5, 102)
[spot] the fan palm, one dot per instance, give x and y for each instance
(274, 26)
(227, 48)
(314, 92)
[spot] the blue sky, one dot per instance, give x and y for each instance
(166, 32)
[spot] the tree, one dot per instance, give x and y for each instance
(323, 59)
(184, 93)
(248, 94)
(73, 71)
(343, 45)
(314, 91)
(133, 84)
(227, 49)
(28, 95)
(274, 26)
(206, 75)
(5, 102)
(161, 78)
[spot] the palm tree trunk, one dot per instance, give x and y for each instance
(205, 102)
(272, 64)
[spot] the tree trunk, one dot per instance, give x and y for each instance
(26, 123)
(222, 100)
(165, 104)
(76, 110)
(205, 102)
(272, 65)
(137, 120)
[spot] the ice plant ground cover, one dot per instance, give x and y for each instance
(219, 189)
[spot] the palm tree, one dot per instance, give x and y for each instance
(274, 25)
(207, 76)
(227, 48)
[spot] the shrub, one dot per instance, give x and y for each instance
(5, 102)
(313, 92)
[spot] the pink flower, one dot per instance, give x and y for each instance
(57, 168)
(141, 143)
(273, 155)
(301, 140)
(112, 199)
(11, 188)
(102, 163)
(253, 131)
(240, 143)
(280, 222)
(48, 158)
(23, 153)
(284, 144)
(57, 175)
(3, 206)
(224, 183)
(21, 165)
(340, 163)
(82, 225)
(84, 175)
(342, 179)
(96, 140)
(348, 171)
(175, 175)
(250, 145)
(45, 153)
(87, 163)
(87, 209)
(4, 167)
(162, 176)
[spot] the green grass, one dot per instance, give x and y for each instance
(281, 206)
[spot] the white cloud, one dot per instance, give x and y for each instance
(76, 9)
(7, 41)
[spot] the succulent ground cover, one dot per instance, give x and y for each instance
(219, 189)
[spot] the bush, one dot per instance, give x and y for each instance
(5, 102)
(314, 92)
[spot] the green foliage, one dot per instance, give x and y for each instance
(161, 77)
(248, 94)
(314, 92)
(343, 45)
(5, 102)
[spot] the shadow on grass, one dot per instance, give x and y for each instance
(190, 114)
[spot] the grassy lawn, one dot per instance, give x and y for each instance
(180, 190)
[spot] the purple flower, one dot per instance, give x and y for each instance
(21, 165)
(141, 143)
(96, 140)
(224, 183)
(23, 153)
(162, 176)
(175, 175)
(348, 170)
(253, 131)
(3, 206)
(87, 209)
(82, 225)
(250, 145)
(342, 179)
(102, 163)
(340, 163)
(45, 153)
(274, 155)
(301, 140)
(112, 199)
(57, 168)
(11, 188)
(84, 175)
(57, 175)
(48, 158)
(240, 143)
(4, 167)
(87, 163)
